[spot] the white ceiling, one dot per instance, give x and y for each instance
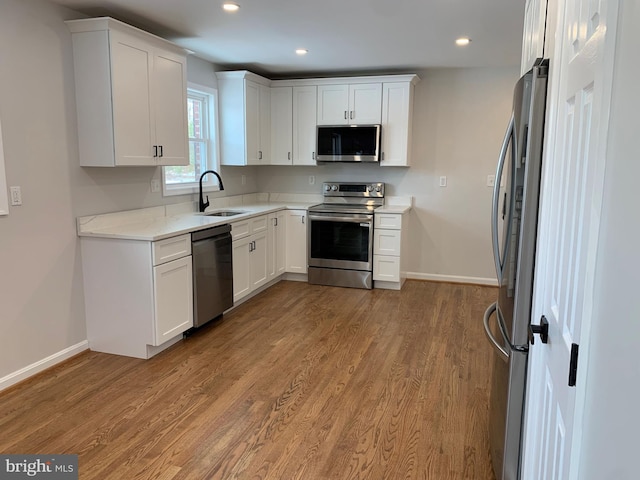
(342, 36)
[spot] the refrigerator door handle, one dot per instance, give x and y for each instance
(487, 314)
(496, 198)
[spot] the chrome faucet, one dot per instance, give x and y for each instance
(203, 205)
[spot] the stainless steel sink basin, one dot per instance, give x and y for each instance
(223, 213)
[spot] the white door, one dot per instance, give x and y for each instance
(365, 103)
(333, 104)
(533, 38)
(281, 125)
(241, 268)
(173, 293)
(296, 254)
(304, 125)
(131, 66)
(396, 123)
(569, 221)
(252, 121)
(170, 107)
(258, 259)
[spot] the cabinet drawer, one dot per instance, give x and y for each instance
(249, 227)
(392, 221)
(386, 242)
(169, 249)
(386, 268)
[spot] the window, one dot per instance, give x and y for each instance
(202, 117)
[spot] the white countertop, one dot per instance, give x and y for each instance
(156, 223)
(153, 226)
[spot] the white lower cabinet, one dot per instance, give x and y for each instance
(138, 294)
(388, 240)
(250, 268)
(296, 242)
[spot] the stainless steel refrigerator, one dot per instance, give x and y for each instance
(514, 230)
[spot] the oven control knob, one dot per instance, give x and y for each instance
(369, 188)
(378, 188)
(327, 187)
(334, 188)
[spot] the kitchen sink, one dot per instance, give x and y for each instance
(223, 213)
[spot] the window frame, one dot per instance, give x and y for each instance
(209, 183)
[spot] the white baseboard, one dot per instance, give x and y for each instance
(453, 278)
(43, 364)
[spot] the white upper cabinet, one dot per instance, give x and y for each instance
(397, 113)
(535, 19)
(245, 118)
(281, 125)
(349, 104)
(293, 125)
(304, 125)
(131, 96)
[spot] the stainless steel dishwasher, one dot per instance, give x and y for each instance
(212, 273)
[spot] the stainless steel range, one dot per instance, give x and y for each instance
(341, 234)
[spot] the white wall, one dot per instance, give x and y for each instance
(612, 421)
(460, 116)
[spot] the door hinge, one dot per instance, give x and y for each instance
(573, 365)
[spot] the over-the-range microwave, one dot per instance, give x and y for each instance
(348, 143)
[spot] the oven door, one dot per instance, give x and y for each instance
(343, 241)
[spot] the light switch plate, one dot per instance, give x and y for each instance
(491, 180)
(443, 181)
(155, 185)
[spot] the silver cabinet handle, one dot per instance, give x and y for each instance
(259, 154)
(351, 114)
(288, 155)
(313, 155)
(161, 151)
(496, 198)
(345, 114)
(155, 151)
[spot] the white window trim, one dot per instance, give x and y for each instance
(210, 182)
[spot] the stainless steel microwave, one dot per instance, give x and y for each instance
(348, 143)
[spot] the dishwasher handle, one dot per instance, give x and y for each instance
(211, 232)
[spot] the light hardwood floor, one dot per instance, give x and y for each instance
(302, 382)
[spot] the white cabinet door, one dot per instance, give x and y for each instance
(170, 106)
(333, 105)
(241, 268)
(252, 122)
(397, 112)
(173, 299)
(296, 242)
(276, 244)
(131, 67)
(264, 125)
(350, 104)
(304, 125)
(365, 103)
(258, 260)
(282, 125)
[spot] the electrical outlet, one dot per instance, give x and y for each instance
(491, 180)
(155, 185)
(443, 181)
(312, 180)
(243, 179)
(16, 196)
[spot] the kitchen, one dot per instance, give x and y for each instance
(43, 303)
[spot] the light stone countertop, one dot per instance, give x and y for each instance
(152, 225)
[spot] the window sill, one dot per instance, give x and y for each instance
(184, 190)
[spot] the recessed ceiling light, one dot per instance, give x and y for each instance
(302, 51)
(463, 41)
(230, 7)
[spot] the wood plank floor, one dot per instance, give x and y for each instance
(301, 382)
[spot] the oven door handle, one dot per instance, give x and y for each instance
(341, 218)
